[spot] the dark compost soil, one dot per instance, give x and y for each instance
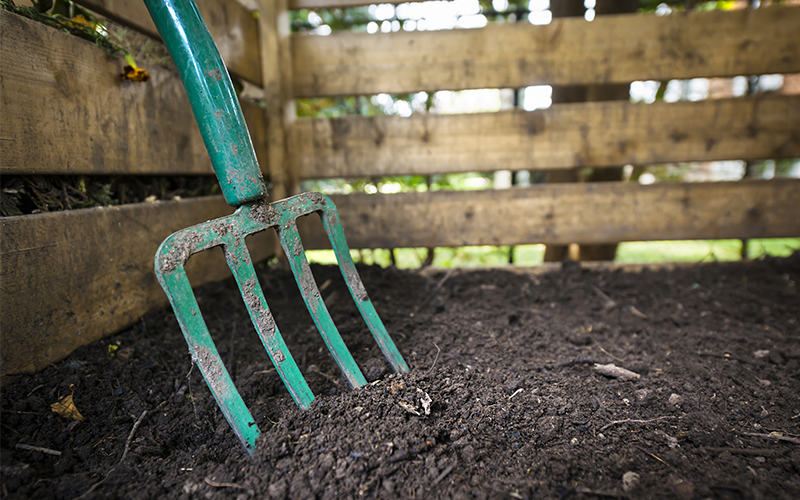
(507, 359)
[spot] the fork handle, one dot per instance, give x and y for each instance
(212, 97)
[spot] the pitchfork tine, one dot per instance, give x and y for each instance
(242, 268)
(293, 247)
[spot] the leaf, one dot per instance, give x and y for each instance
(66, 408)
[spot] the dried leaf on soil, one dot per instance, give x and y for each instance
(67, 409)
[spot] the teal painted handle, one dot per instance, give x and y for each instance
(214, 102)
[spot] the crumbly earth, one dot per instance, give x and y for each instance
(503, 401)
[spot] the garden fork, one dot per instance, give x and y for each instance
(219, 117)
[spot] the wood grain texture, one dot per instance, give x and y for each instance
(611, 49)
(66, 111)
(607, 212)
(70, 278)
(280, 107)
(233, 27)
(564, 136)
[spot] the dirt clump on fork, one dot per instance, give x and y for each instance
(504, 399)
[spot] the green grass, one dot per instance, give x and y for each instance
(703, 250)
(531, 255)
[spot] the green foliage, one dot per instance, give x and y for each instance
(355, 19)
(69, 18)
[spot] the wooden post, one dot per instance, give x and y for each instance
(579, 93)
(276, 70)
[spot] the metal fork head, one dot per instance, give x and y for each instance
(230, 233)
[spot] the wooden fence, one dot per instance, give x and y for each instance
(72, 277)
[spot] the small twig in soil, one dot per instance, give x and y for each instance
(34, 390)
(12, 430)
(516, 392)
(229, 485)
(25, 412)
(609, 301)
(435, 359)
(332, 379)
(776, 437)
(633, 421)
(654, 456)
(124, 453)
(727, 356)
(576, 361)
(48, 451)
(443, 475)
(615, 358)
(637, 313)
(435, 291)
(191, 393)
(130, 436)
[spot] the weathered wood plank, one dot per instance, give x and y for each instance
(564, 213)
(69, 278)
(66, 111)
(611, 49)
(567, 135)
(280, 107)
(233, 27)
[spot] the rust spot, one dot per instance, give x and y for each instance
(214, 74)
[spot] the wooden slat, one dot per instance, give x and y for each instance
(233, 27)
(611, 49)
(563, 136)
(66, 111)
(565, 213)
(69, 278)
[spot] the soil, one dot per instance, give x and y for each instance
(517, 408)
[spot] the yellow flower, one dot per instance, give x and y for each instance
(134, 74)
